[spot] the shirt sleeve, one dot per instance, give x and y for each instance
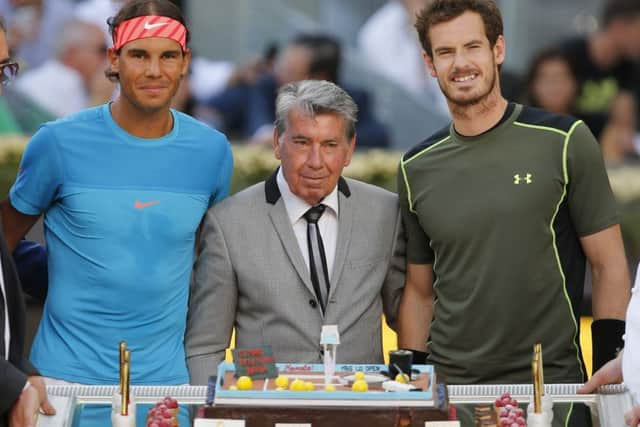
(418, 249)
(39, 176)
(592, 204)
(224, 176)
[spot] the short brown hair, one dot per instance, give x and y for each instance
(440, 11)
(135, 8)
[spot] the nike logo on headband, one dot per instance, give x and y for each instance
(148, 26)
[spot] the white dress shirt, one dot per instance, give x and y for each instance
(7, 332)
(631, 356)
(327, 224)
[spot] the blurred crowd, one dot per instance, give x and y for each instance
(61, 47)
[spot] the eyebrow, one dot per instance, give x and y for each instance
(146, 52)
(5, 60)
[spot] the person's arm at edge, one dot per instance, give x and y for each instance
(15, 224)
(416, 308)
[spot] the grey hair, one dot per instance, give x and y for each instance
(74, 33)
(316, 97)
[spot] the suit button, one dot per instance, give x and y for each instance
(313, 303)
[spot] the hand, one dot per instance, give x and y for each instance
(632, 418)
(24, 411)
(610, 373)
(38, 383)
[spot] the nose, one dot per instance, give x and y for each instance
(460, 60)
(314, 158)
(153, 67)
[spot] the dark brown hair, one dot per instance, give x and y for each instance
(619, 9)
(136, 8)
(440, 11)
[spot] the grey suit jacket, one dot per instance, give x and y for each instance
(251, 274)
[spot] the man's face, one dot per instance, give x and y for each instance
(463, 60)
(313, 151)
(89, 55)
(4, 51)
(293, 64)
(149, 71)
(631, 38)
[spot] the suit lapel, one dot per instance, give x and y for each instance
(280, 221)
(345, 225)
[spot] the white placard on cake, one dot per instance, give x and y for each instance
(217, 422)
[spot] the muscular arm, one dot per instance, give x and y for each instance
(416, 307)
(14, 223)
(611, 283)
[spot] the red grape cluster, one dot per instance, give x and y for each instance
(164, 413)
(509, 414)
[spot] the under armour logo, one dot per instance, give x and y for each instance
(527, 179)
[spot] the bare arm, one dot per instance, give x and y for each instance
(416, 307)
(14, 224)
(611, 282)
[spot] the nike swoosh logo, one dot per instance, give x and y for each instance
(148, 26)
(140, 205)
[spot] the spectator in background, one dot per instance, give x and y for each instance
(75, 79)
(604, 61)
(306, 57)
(390, 47)
(552, 84)
(619, 138)
(31, 26)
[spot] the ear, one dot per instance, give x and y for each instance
(429, 64)
(352, 147)
(499, 50)
(114, 59)
(186, 61)
(276, 143)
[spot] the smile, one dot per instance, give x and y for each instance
(465, 78)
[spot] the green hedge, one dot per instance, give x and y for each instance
(253, 164)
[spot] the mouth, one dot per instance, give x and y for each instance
(464, 78)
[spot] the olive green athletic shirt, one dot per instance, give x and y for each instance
(500, 216)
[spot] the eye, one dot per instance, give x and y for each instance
(170, 55)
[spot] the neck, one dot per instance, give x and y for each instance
(475, 119)
(143, 124)
(602, 50)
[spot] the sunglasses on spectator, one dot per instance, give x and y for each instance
(8, 71)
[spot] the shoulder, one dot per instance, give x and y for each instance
(361, 190)
(537, 118)
(74, 124)
(436, 138)
(195, 127)
(241, 204)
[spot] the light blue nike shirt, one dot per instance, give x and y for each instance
(121, 215)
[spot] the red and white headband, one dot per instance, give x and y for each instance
(143, 27)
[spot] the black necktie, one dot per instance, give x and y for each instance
(2, 314)
(317, 258)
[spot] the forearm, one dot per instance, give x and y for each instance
(611, 290)
(414, 320)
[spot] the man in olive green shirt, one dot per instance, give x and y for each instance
(501, 209)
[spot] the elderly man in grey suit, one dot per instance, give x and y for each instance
(303, 249)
